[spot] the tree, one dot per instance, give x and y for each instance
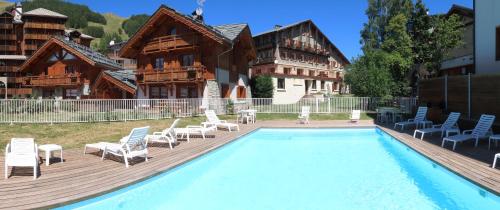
(369, 75)
(262, 87)
(132, 25)
(446, 34)
(106, 39)
(95, 31)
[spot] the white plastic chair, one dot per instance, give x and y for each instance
(22, 152)
(304, 114)
(419, 117)
(134, 146)
(355, 115)
(212, 119)
(482, 130)
(451, 122)
(166, 136)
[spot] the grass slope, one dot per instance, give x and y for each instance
(114, 23)
(4, 4)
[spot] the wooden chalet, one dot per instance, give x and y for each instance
(179, 56)
(62, 68)
(21, 35)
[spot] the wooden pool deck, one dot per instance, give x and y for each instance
(83, 176)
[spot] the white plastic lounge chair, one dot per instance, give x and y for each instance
(213, 120)
(22, 152)
(451, 122)
(482, 130)
(304, 115)
(165, 136)
(134, 146)
(419, 117)
(355, 115)
(495, 160)
(194, 130)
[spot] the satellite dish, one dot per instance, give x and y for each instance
(199, 11)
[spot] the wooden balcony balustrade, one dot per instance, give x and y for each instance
(172, 42)
(8, 36)
(16, 80)
(8, 48)
(30, 47)
(38, 36)
(55, 26)
(16, 91)
(7, 25)
(55, 80)
(172, 75)
(9, 68)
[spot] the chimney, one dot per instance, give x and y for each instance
(276, 27)
(198, 14)
(18, 12)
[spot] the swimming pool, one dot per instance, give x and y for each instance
(304, 169)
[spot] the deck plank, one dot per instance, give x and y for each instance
(82, 176)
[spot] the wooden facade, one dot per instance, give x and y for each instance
(178, 56)
(21, 35)
(64, 69)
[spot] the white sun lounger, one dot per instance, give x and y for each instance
(355, 115)
(482, 130)
(194, 130)
(165, 136)
(304, 115)
(451, 122)
(22, 152)
(419, 117)
(213, 120)
(134, 146)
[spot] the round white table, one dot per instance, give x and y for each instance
(48, 149)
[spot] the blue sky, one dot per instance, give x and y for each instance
(340, 20)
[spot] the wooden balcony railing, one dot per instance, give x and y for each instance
(55, 80)
(8, 36)
(55, 26)
(6, 25)
(9, 68)
(172, 42)
(30, 47)
(183, 74)
(38, 36)
(300, 73)
(16, 91)
(8, 48)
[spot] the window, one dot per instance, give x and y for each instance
(242, 92)
(322, 85)
(281, 83)
(158, 64)
(335, 86)
(498, 43)
(69, 69)
(158, 92)
(173, 31)
(314, 85)
(287, 70)
(300, 72)
(188, 60)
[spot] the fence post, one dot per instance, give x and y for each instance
(317, 105)
(468, 95)
(446, 92)
(329, 106)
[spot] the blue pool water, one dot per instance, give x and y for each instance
(304, 169)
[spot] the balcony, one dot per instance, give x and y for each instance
(38, 36)
(8, 48)
(8, 25)
(30, 47)
(170, 43)
(55, 80)
(16, 91)
(174, 75)
(9, 68)
(7, 36)
(54, 26)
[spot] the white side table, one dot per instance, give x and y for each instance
(495, 138)
(48, 149)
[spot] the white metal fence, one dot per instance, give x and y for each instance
(97, 110)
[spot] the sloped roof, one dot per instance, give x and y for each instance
(127, 77)
(83, 52)
(89, 53)
(231, 31)
(462, 10)
(342, 56)
(44, 12)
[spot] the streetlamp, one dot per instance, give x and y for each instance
(4, 81)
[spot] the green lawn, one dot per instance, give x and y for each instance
(76, 135)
